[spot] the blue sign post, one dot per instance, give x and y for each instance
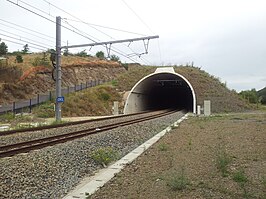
(60, 99)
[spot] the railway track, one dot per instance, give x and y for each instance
(25, 130)
(23, 147)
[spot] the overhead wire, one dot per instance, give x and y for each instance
(79, 20)
(127, 5)
(24, 38)
(73, 30)
(33, 12)
(117, 50)
(24, 41)
(36, 8)
(145, 24)
(106, 27)
(27, 28)
(21, 44)
(27, 33)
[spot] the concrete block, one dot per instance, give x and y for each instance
(115, 108)
(207, 107)
(198, 110)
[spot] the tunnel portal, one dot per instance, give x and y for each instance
(163, 89)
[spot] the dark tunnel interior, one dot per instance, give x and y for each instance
(163, 91)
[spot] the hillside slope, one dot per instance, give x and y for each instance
(206, 86)
(262, 95)
(78, 70)
(16, 85)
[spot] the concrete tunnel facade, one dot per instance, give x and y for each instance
(163, 89)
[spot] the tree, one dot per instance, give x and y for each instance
(250, 95)
(3, 49)
(114, 58)
(100, 55)
(25, 49)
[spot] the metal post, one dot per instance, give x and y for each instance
(58, 69)
(38, 99)
(30, 106)
(14, 108)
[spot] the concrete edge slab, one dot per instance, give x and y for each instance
(91, 184)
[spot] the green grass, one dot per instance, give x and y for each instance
(222, 161)
(7, 117)
(178, 181)
(240, 177)
(104, 155)
(114, 83)
(45, 110)
(163, 147)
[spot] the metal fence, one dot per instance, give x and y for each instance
(27, 105)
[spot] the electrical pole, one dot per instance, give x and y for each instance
(59, 98)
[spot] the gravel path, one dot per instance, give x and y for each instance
(26, 136)
(53, 171)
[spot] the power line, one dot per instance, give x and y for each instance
(137, 16)
(75, 29)
(79, 20)
(21, 44)
(36, 8)
(23, 37)
(26, 32)
(106, 27)
(24, 41)
(81, 32)
(31, 11)
(46, 18)
(143, 22)
(54, 17)
(26, 28)
(114, 38)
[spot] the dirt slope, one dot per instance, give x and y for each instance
(34, 81)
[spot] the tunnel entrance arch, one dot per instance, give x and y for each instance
(161, 90)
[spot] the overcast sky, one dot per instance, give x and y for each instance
(226, 38)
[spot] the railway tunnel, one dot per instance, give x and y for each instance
(163, 89)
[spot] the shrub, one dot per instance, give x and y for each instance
(104, 96)
(222, 161)
(38, 61)
(178, 181)
(114, 58)
(19, 58)
(100, 55)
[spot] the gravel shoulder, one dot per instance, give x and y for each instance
(53, 171)
(222, 156)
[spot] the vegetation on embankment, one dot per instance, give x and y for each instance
(20, 81)
(209, 87)
(94, 101)
(78, 70)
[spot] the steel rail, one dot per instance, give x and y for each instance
(13, 149)
(24, 130)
